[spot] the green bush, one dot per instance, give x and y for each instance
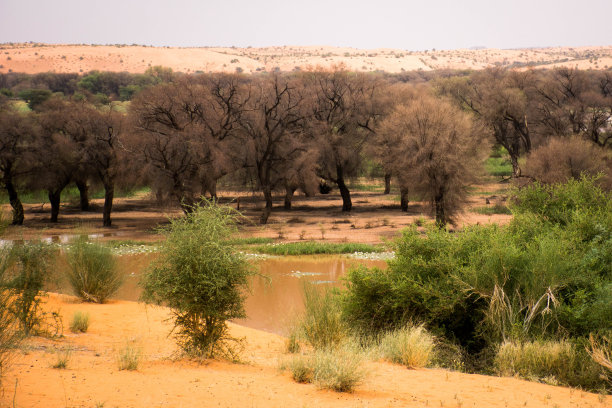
(79, 322)
(201, 278)
(92, 271)
(411, 346)
(26, 268)
(545, 275)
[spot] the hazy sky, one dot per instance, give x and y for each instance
(411, 25)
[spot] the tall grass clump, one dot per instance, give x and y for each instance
(128, 358)
(411, 346)
(201, 277)
(339, 369)
(321, 324)
(92, 271)
(79, 322)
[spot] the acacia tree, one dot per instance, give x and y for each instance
(499, 100)
(438, 154)
(345, 108)
(16, 134)
(273, 129)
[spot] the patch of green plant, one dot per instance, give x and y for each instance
(127, 243)
(79, 322)
(321, 324)
(201, 277)
(498, 166)
(250, 241)
(492, 209)
(314, 247)
(92, 271)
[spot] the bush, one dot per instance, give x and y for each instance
(26, 269)
(410, 346)
(200, 277)
(92, 272)
(9, 329)
(79, 322)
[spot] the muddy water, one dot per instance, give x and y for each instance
(276, 292)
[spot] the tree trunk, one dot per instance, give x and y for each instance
(268, 208)
(387, 183)
(404, 199)
(54, 199)
(109, 193)
(516, 170)
(440, 213)
(347, 205)
(84, 194)
(14, 200)
(288, 197)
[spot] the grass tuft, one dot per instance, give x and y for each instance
(410, 346)
(129, 357)
(79, 322)
(62, 359)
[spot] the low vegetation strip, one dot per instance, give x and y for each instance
(314, 247)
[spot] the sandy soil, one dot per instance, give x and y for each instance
(375, 217)
(34, 58)
(92, 376)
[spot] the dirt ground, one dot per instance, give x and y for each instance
(92, 377)
(375, 217)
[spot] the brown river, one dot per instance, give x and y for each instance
(275, 298)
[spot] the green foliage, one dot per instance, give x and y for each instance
(498, 166)
(35, 97)
(411, 346)
(92, 271)
(26, 268)
(492, 209)
(79, 322)
(201, 278)
(314, 247)
(9, 328)
(546, 275)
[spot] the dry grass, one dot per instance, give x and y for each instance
(411, 346)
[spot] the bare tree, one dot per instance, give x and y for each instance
(345, 107)
(438, 152)
(272, 129)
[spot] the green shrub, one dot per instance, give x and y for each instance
(26, 268)
(92, 271)
(201, 278)
(129, 357)
(411, 346)
(79, 322)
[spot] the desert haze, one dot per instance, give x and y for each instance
(35, 57)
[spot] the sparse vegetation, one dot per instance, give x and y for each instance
(128, 358)
(411, 346)
(314, 247)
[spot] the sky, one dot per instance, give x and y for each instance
(410, 25)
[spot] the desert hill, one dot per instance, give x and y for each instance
(35, 57)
